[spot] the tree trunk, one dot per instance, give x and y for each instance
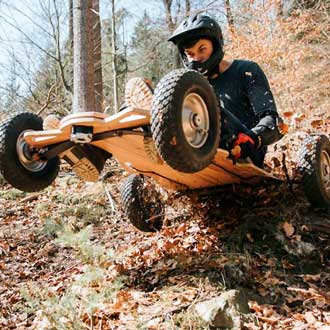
(70, 48)
(70, 25)
(114, 57)
(169, 19)
(98, 78)
(230, 17)
(171, 23)
(279, 7)
(187, 8)
(83, 76)
(187, 14)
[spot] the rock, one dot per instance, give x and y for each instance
(305, 248)
(230, 310)
(296, 247)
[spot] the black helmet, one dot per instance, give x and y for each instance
(200, 26)
(190, 26)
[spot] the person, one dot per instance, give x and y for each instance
(240, 86)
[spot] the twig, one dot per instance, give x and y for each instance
(269, 320)
(174, 310)
(30, 198)
(110, 198)
(47, 100)
(91, 321)
(285, 169)
(3, 251)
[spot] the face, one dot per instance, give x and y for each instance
(200, 52)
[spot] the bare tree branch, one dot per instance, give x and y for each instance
(47, 100)
(29, 39)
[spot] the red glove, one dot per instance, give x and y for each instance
(244, 146)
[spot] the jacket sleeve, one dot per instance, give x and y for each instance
(263, 104)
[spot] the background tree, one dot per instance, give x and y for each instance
(151, 56)
(230, 17)
(122, 16)
(97, 40)
(83, 51)
(174, 15)
(114, 56)
(40, 41)
(43, 55)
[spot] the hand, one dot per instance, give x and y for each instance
(244, 146)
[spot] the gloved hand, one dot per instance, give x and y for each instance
(245, 145)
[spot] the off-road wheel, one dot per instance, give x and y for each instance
(142, 204)
(185, 120)
(314, 167)
(17, 164)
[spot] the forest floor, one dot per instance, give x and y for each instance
(67, 261)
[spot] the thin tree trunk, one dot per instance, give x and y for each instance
(57, 43)
(279, 7)
(114, 57)
(187, 14)
(187, 8)
(70, 46)
(230, 17)
(83, 76)
(171, 26)
(98, 78)
(169, 19)
(70, 25)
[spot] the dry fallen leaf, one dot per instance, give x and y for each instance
(299, 117)
(310, 318)
(310, 277)
(316, 123)
(288, 229)
(249, 237)
(283, 128)
(173, 141)
(288, 114)
(276, 162)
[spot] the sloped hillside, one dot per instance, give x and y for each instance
(68, 261)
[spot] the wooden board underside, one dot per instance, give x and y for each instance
(130, 151)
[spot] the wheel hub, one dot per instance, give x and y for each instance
(325, 170)
(25, 156)
(195, 120)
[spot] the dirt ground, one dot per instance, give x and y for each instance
(67, 261)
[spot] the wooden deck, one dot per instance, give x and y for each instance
(130, 151)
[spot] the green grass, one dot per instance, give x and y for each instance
(12, 194)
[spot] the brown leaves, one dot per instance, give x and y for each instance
(276, 162)
(283, 128)
(311, 294)
(173, 141)
(184, 239)
(288, 114)
(299, 117)
(317, 123)
(288, 229)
